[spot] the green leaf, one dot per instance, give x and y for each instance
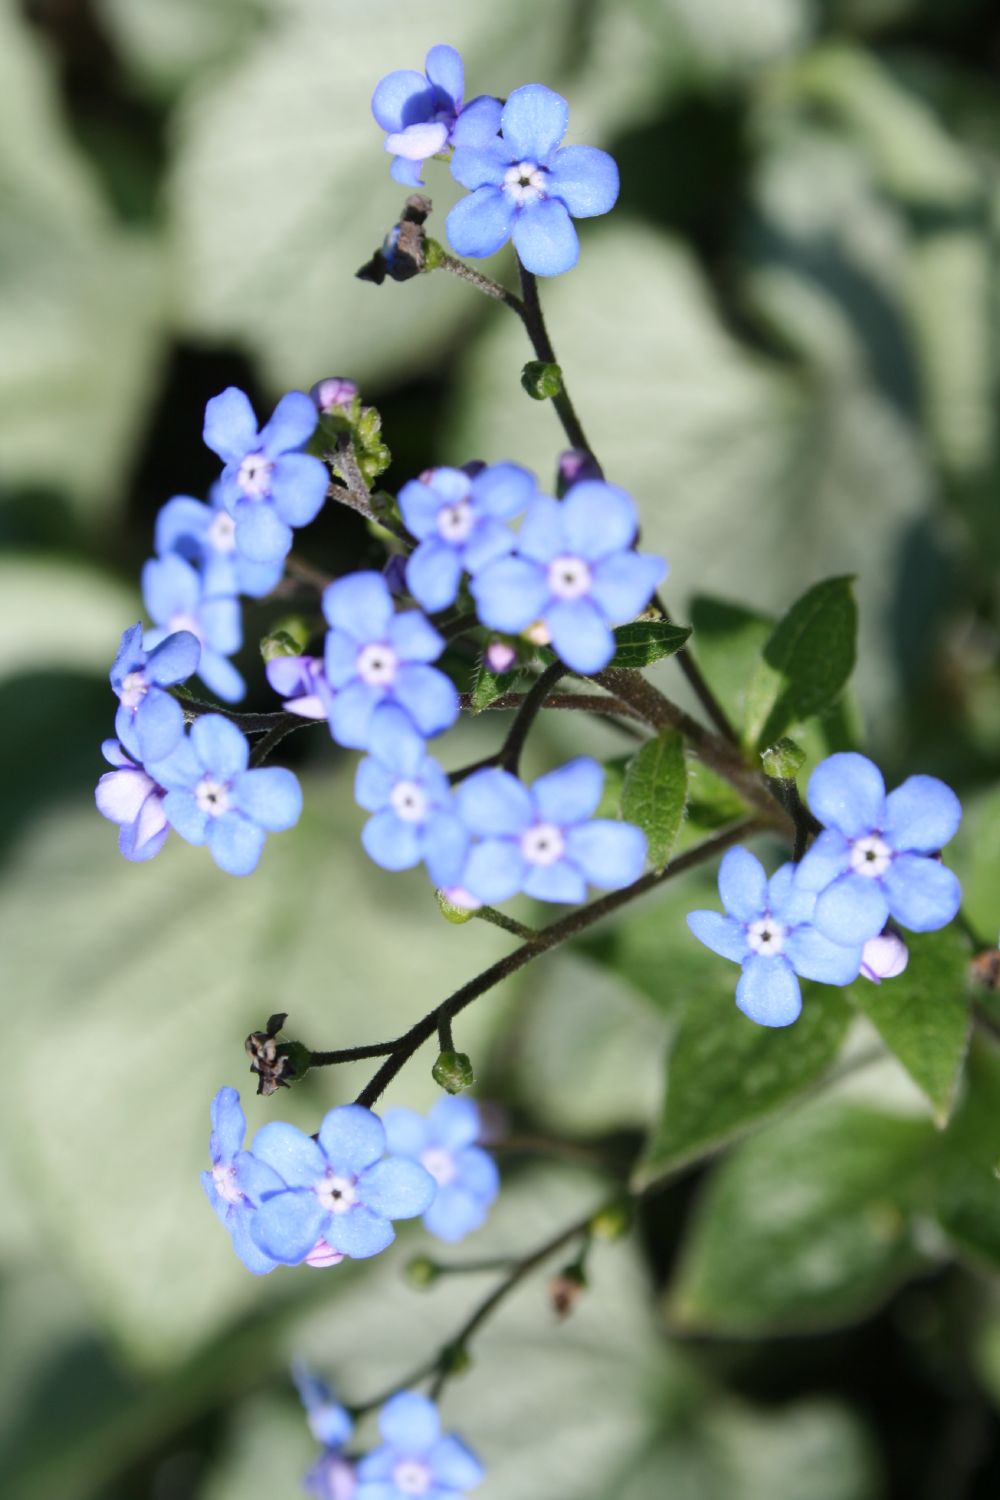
(711, 804)
(610, 805)
(724, 1073)
(967, 1195)
(923, 1016)
(646, 641)
(975, 855)
(805, 663)
(488, 686)
(655, 792)
(728, 639)
(806, 1226)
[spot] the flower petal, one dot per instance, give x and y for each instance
(623, 585)
(533, 122)
(545, 239)
(600, 519)
(724, 935)
(230, 425)
(353, 1138)
(814, 956)
(361, 605)
(443, 66)
(454, 1122)
(418, 142)
(562, 882)
(483, 164)
(292, 424)
(922, 815)
(923, 894)
(391, 842)
(158, 726)
(851, 910)
(359, 1233)
(221, 677)
(494, 802)
(176, 659)
(543, 533)
(504, 491)
(454, 1213)
(241, 1231)
(287, 1226)
(235, 843)
(261, 535)
(219, 746)
(510, 593)
(429, 697)
(298, 488)
(585, 179)
(397, 1188)
(291, 1153)
(846, 792)
(494, 871)
(120, 794)
(401, 98)
(571, 793)
(478, 122)
(610, 854)
(768, 991)
(479, 224)
(410, 1422)
(186, 817)
(454, 1466)
(580, 634)
(742, 884)
(406, 1132)
(827, 858)
(350, 714)
(413, 637)
(433, 574)
(229, 1126)
(270, 796)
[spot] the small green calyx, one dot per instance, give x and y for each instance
(451, 912)
(434, 254)
(542, 380)
(421, 1272)
(453, 1072)
(612, 1222)
(455, 1360)
(288, 637)
(783, 760)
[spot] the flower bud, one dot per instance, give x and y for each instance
(287, 637)
(334, 394)
(575, 464)
(783, 760)
(499, 657)
(394, 573)
(612, 1222)
(457, 905)
(884, 957)
(421, 1272)
(453, 1072)
(565, 1289)
(541, 379)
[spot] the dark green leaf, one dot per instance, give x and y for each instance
(724, 1073)
(967, 1200)
(805, 662)
(806, 1226)
(646, 641)
(610, 805)
(488, 686)
(922, 1015)
(728, 640)
(711, 804)
(655, 791)
(975, 855)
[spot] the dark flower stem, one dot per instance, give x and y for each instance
(534, 323)
(509, 756)
(482, 283)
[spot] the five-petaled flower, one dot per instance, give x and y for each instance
(423, 113)
(340, 1187)
(415, 1458)
(205, 536)
(149, 722)
(375, 656)
(236, 1181)
(544, 840)
(874, 859)
(768, 930)
(176, 596)
(409, 794)
(528, 188)
(212, 798)
(576, 569)
(458, 521)
(445, 1143)
(268, 484)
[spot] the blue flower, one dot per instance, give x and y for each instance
(149, 722)
(458, 521)
(374, 656)
(332, 1477)
(406, 789)
(213, 799)
(415, 1458)
(874, 859)
(130, 797)
(301, 681)
(425, 114)
(467, 1178)
(524, 187)
(268, 485)
(341, 1187)
(768, 930)
(205, 536)
(329, 1423)
(176, 597)
(545, 841)
(576, 569)
(236, 1182)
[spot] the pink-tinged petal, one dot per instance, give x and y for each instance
(418, 142)
(120, 794)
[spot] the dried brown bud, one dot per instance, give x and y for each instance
(402, 254)
(269, 1060)
(986, 968)
(565, 1290)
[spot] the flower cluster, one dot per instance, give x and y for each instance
(823, 919)
(292, 1198)
(524, 184)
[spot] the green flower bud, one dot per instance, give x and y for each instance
(451, 912)
(783, 760)
(612, 1222)
(453, 1072)
(288, 637)
(541, 380)
(421, 1272)
(433, 254)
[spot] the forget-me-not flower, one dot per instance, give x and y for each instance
(205, 536)
(445, 1143)
(767, 929)
(576, 569)
(412, 802)
(212, 798)
(176, 597)
(375, 656)
(415, 1458)
(301, 682)
(236, 1182)
(130, 797)
(528, 188)
(423, 113)
(544, 840)
(149, 722)
(341, 1187)
(458, 521)
(874, 858)
(268, 484)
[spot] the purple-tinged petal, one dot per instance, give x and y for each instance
(413, 638)
(824, 862)
(115, 755)
(359, 1233)
(815, 957)
(571, 793)
(454, 1466)
(298, 487)
(353, 1138)
(768, 991)
(560, 882)
(479, 224)
(175, 659)
(610, 854)
(623, 586)
(884, 957)
(851, 910)
(580, 634)
(401, 98)
(392, 843)
(846, 792)
(291, 426)
(923, 894)
(410, 1423)
(186, 817)
(287, 1226)
(397, 1188)
(229, 1126)
(478, 122)
(120, 794)
(144, 838)
(433, 574)
(585, 179)
(182, 525)
(724, 935)
(482, 166)
(350, 714)
(922, 815)
(429, 697)
(494, 802)
(418, 142)
(545, 239)
(291, 1153)
(230, 425)
(270, 796)
(219, 745)
(534, 121)
(360, 605)
(510, 593)
(443, 66)
(494, 871)
(235, 843)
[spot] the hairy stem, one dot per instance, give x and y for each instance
(509, 756)
(534, 323)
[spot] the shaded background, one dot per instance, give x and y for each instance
(783, 341)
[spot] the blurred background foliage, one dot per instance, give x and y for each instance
(784, 342)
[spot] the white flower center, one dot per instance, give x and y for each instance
(543, 844)
(254, 476)
(569, 577)
(411, 1477)
(409, 801)
(222, 532)
(440, 1164)
(225, 1183)
(455, 522)
(766, 936)
(870, 856)
(134, 689)
(212, 796)
(525, 182)
(337, 1194)
(377, 665)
